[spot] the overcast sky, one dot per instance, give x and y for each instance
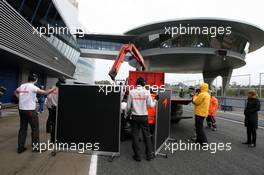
(119, 16)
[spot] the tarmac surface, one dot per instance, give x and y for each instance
(28, 163)
(240, 160)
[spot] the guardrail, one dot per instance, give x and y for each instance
(229, 103)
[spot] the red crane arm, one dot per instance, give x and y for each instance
(131, 48)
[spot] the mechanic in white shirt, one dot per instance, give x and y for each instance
(138, 101)
(26, 94)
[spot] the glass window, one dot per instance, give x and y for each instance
(70, 53)
(232, 42)
(89, 44)
(67, 51)
(59, 45)
(15, 4)
(28, 8)
(55, 42)
(50, 38)
(73, 54)
(74, 57)
(38, 10)
(63, 49)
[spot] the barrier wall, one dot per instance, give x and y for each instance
(163, 119)
(86, 114)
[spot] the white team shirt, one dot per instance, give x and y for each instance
(27, 96)
(138, 100)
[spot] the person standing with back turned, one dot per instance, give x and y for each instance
(251, 118)
(201, 101)
(138, 101)
(26, 94)
(211, 122)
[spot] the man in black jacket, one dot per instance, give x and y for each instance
(251, 118)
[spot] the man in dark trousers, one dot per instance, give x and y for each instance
(26, 94)
(251, 118)
(138, 101)
(201, 101)
(54, 104)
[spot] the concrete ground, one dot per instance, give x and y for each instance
(28, 163)
(240, 160)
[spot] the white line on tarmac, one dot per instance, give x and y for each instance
(234, 121)
(230, 113)
(230, 120)
(93, 165)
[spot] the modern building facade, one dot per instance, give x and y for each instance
(84, 71)
(24, 50)
(211, 46)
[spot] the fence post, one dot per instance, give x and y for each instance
(249, 81)
(260, 77)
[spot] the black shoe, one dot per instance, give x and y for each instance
(150, 157)
(194, 138)
(136, 158)
(122, 139)
(246, 143)
(252, 145)
(21, 150)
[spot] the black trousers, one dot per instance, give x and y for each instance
(211, 121)
(251, 135)
(28, 117)
(123, 124)
(48, 124)
(200, 134)
(152, 132)
(140, 123)
(53, 111)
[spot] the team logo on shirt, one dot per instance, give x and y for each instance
(165, 103)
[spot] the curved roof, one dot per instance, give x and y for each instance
(189, 60)
(253, 33)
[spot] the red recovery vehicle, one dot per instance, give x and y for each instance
(151, 78)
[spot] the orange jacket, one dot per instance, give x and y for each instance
(213, 106)
(152, 112)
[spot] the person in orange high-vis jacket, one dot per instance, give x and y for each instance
(152, 118)
(211, 123)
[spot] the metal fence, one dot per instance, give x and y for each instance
(239, 85)
(261, 85)
(236, 92)
(234, 103)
